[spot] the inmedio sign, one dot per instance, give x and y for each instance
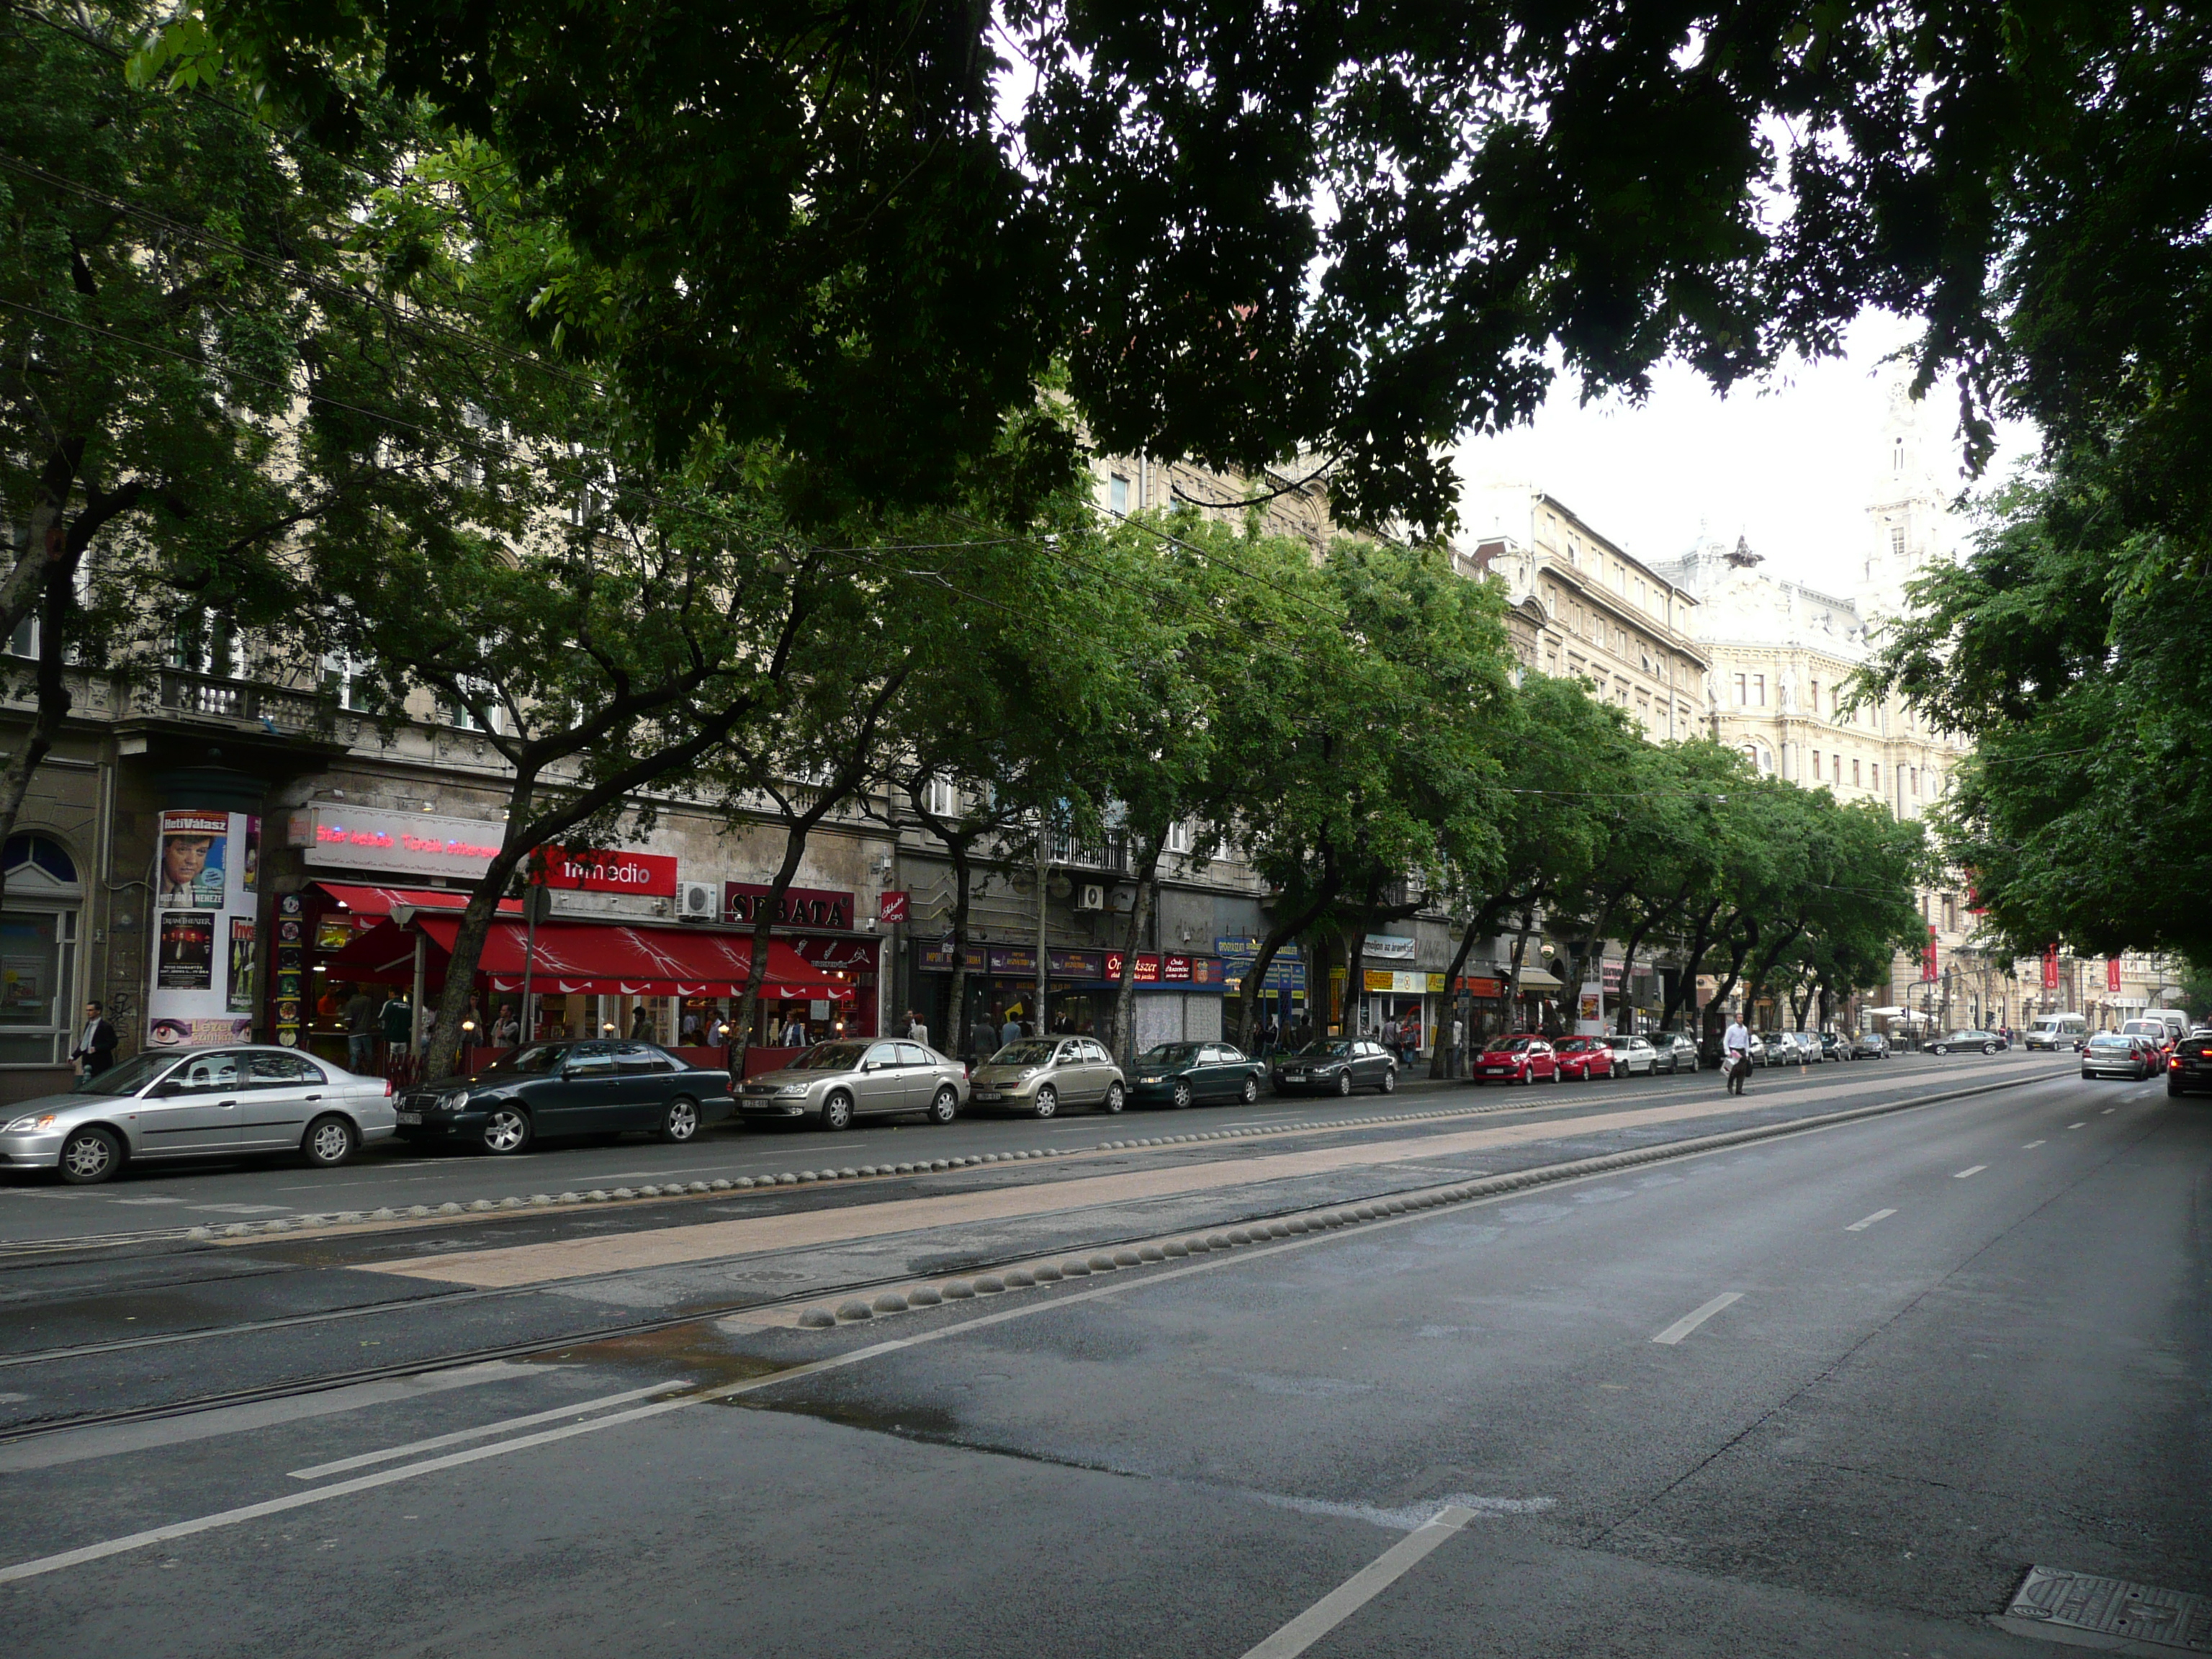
(388, 843)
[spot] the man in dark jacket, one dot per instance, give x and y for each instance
(95, 1045)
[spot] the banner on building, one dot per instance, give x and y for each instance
(1928, 957)
(2051, 968)
(2112, 974)
(652, 875)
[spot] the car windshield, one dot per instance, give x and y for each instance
(1508, 1045)
(830, 1057)
(1168, 1053)
(127, 1079)
(538, 1060)
(2108, 1040)
(1328, 1049)
(1036, 1051)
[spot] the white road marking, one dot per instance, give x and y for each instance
(505, 1425)
(134, 1201)
(1860, 1227)
(2078, 1126)
(2032, 1145)
(243, 1209)
(1690, 1321)
(1974, 1169)
(1363, 1586)
(2108, 1111)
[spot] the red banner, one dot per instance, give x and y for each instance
(650, 874)
(2112, 974)
(2051, 968)
(890, 907)
(1927, 958)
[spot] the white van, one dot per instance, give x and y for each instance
(2056, 1031)
(2175, 1022)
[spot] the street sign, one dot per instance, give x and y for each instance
(891, 907)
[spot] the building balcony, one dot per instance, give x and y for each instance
(196, 696)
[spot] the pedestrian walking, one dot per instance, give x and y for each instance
(1458, 1046)
(397, 1019)
(506, 1032)
(359, 1014)
(1736, 1049)
(915, 1030)
(640, 1024)
(1011, 1032)
(95, 1045)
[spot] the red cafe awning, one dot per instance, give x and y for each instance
(607, 959)
(383, 901)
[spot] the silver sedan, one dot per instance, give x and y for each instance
(199, 1103)
(837, 1082)
(1039, 1075)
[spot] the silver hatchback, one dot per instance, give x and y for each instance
(199, 1103)
(1040, 1075)
(837, 1082)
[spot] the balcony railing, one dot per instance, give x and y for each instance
(1110, 856)
(211, 696)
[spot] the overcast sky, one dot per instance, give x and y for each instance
(1788, 464)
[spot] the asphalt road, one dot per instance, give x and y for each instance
(1831, 1392)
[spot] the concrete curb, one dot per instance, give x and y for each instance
(1333, 1217)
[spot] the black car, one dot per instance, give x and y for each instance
(1678, 1052)
(2191, 1067)
(1834, 1048)
(1335, 1065)
(1178, 1073)
(1967, 1042)
(591, 1086)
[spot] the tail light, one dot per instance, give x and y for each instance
(2173, 1065)
(388, 1090)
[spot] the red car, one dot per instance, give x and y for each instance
(1521, 1058)
(1585, 1057)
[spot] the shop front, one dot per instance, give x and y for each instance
(1281, 999)
(1180, 993)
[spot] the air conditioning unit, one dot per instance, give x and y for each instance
(1090, 895)
(695, 902)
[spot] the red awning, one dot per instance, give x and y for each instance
(383, 901)
(609, 958)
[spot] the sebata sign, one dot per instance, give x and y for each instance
(651, 874)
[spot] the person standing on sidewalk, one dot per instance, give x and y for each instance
(360, 1032)
(1736, 1049)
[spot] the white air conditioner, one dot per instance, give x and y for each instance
(695, 902)
(1090, 895)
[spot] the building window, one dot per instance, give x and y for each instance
(1896, 543)
(1915, 780)
(462, 718)
(1742, 692)
(346, 680)
(1855, 774)
(1816, 766)
(940, 799)
(1816, 697)
(1874, 776)
(38, 952)
(1117, 494)
(1759, 689)
(1179, 836)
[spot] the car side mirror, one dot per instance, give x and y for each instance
(164, 1090)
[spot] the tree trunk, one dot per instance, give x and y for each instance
(53, 708)
(1278, 936)
(1686, 987)
(956, 1017)
(1355, 971)
(1520, 954)
(1125, 989)
(1043, 983)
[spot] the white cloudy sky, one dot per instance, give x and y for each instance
(1787, 463)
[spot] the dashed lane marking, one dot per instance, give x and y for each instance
(1860, 1226)
(1971, 1169)
(1363, 1586)
(1690, 1321)
(484, 1431)
(2032, 1145)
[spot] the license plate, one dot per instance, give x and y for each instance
(408, 1117)
(987, 1094)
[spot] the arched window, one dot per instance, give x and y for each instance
(39, 933)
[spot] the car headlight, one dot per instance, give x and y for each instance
(453, 1100)
(1025, 1074)
(34, 1120)
(790, 1089)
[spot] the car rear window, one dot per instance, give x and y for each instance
(2108, 1040)
(2196, 1048)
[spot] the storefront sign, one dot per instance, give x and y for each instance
(891, 907)
(1174, 970)
(395, 844)
(1401, 983)
(940, 956)
(1147, 970)
(1077, 964)
(651, 874)
(801, 906)
(1612, 977)
(854, 958)
(1013, 961)
(1389, 947)
(1475, 987)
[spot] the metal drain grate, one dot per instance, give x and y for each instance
(2060, 1600)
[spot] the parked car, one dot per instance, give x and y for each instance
(1835, 1048)
(2190, 1067)
(197, 1103)
(1677, 1051)
(583, 1086)
(1775, 1049)
(2114, 1053)
(1583, 1058)
(1336, 1065)
(1522, 1057)
(1179, 1073)
(1631, 1054)
(1039, 1075)
(1966, 1041)
(1870, 1045)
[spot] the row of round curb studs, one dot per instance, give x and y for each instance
(787, 1178)
(1259, 1232)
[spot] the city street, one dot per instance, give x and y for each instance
(1824, 1392)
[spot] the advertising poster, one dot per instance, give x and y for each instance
(187, 951)
(333, 933)
(205, 973)
(195, 847)
(239, 976)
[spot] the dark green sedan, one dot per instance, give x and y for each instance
(1181, 1074)
(588, 1086)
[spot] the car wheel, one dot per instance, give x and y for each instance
(90, 1155)
(837, 1112)
(680, 1121)
(506, 1131)
(945, 1106)
(1344, 1082)
(2173, 1090)
(1937, 1049)
(329, 1141)
(1114, 1097)
(2086, 1073)
(1251, 1089)
(1047, 1102)
(1179, 1097)
(1989, 1047)
(1390, 1081)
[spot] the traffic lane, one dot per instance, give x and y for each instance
(780, 1560)
(36, 1207)
(712, 1274)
